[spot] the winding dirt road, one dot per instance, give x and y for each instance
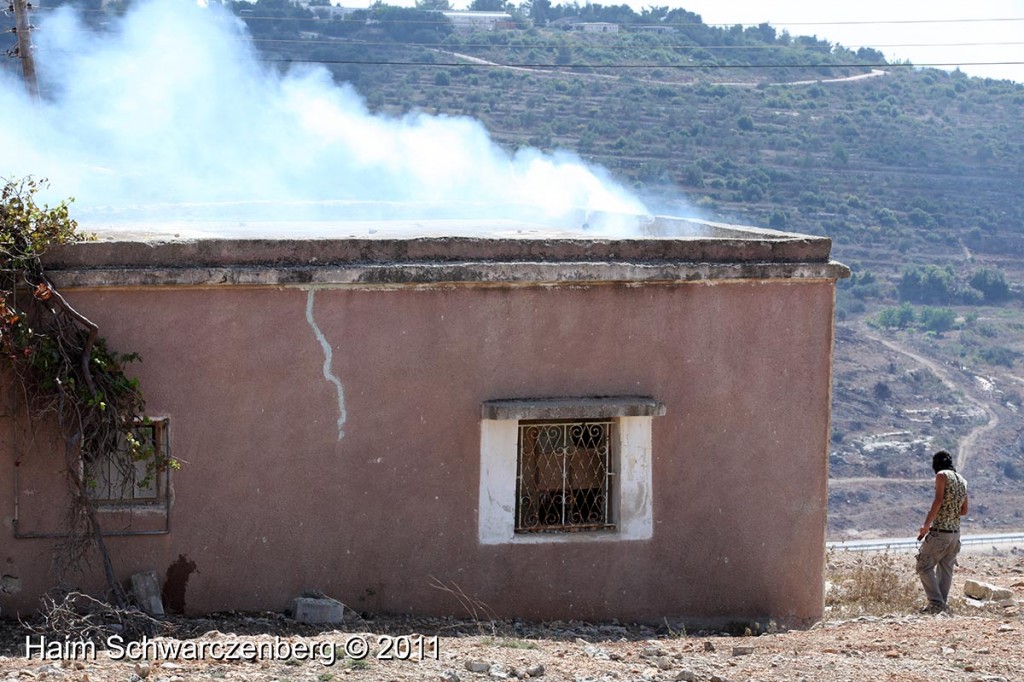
(967, 444)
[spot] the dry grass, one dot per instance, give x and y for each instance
(871, 584)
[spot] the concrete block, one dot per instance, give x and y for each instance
(317, 610)
(146, 590)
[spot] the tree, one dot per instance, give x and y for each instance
(539, 10)
(407, 25)
(928, 284)
(65, 371)
(992, 283)
(487, 5)
(438, 5)
(896, 318)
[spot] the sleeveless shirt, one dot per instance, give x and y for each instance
(948, 517)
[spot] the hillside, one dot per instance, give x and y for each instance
(915, 174)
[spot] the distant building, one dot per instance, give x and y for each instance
(596, 27)
(479, 21)
(654, 28)
(329, 11)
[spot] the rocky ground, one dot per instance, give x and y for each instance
(871, 631)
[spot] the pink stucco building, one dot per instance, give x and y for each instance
(561, 426)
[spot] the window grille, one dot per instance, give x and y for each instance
(117, 485)
(564, 475)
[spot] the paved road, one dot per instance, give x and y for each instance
(997, 540)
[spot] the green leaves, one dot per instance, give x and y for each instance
(66, 369)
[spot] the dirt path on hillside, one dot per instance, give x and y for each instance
(968, 443)
(557, 71)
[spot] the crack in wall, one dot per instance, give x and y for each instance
(328, 361)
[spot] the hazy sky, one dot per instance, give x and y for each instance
(929, 32)
(926, 35)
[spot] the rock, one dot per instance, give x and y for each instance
(986, 591)
(536, 670)
(478, 666)
(449, 676)
(718, 678)
(685, 676)
(1004, 628)
(142, 669)
(146, 590)
(664, 662)
(742, 650)
(317, 610)
(709, 646)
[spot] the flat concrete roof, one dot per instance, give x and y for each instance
(655, 248)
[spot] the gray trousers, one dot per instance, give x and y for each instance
(935, 561)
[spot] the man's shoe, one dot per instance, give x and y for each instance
(933, 608)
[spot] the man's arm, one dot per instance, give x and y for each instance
(940, 492)
(963, 507)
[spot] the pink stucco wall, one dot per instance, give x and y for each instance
(270, 500)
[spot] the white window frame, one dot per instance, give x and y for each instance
(631, 503)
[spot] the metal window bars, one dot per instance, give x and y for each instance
(564, 476)
(116, 485)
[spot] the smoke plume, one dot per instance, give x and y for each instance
(169, 118)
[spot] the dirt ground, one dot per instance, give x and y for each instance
(872, 630)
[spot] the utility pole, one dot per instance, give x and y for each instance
(24, 31)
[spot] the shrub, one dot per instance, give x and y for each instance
(991, 283)
(896, 318)
(936, 320)
(928, 284)
(877, 584)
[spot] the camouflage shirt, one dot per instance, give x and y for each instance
(948, 517)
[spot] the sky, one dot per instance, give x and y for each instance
(929, 32)
(937, 31)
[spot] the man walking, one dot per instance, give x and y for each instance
(941, 533)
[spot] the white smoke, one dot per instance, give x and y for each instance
(169, 117)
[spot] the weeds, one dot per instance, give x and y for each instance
(484, 617)
(874, 584)
(509, 642)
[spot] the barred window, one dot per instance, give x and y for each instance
(566, 470)
(564, 476)
(114, 483)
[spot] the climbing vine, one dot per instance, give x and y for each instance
(66, 374)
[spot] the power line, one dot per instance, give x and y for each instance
(599, 48)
